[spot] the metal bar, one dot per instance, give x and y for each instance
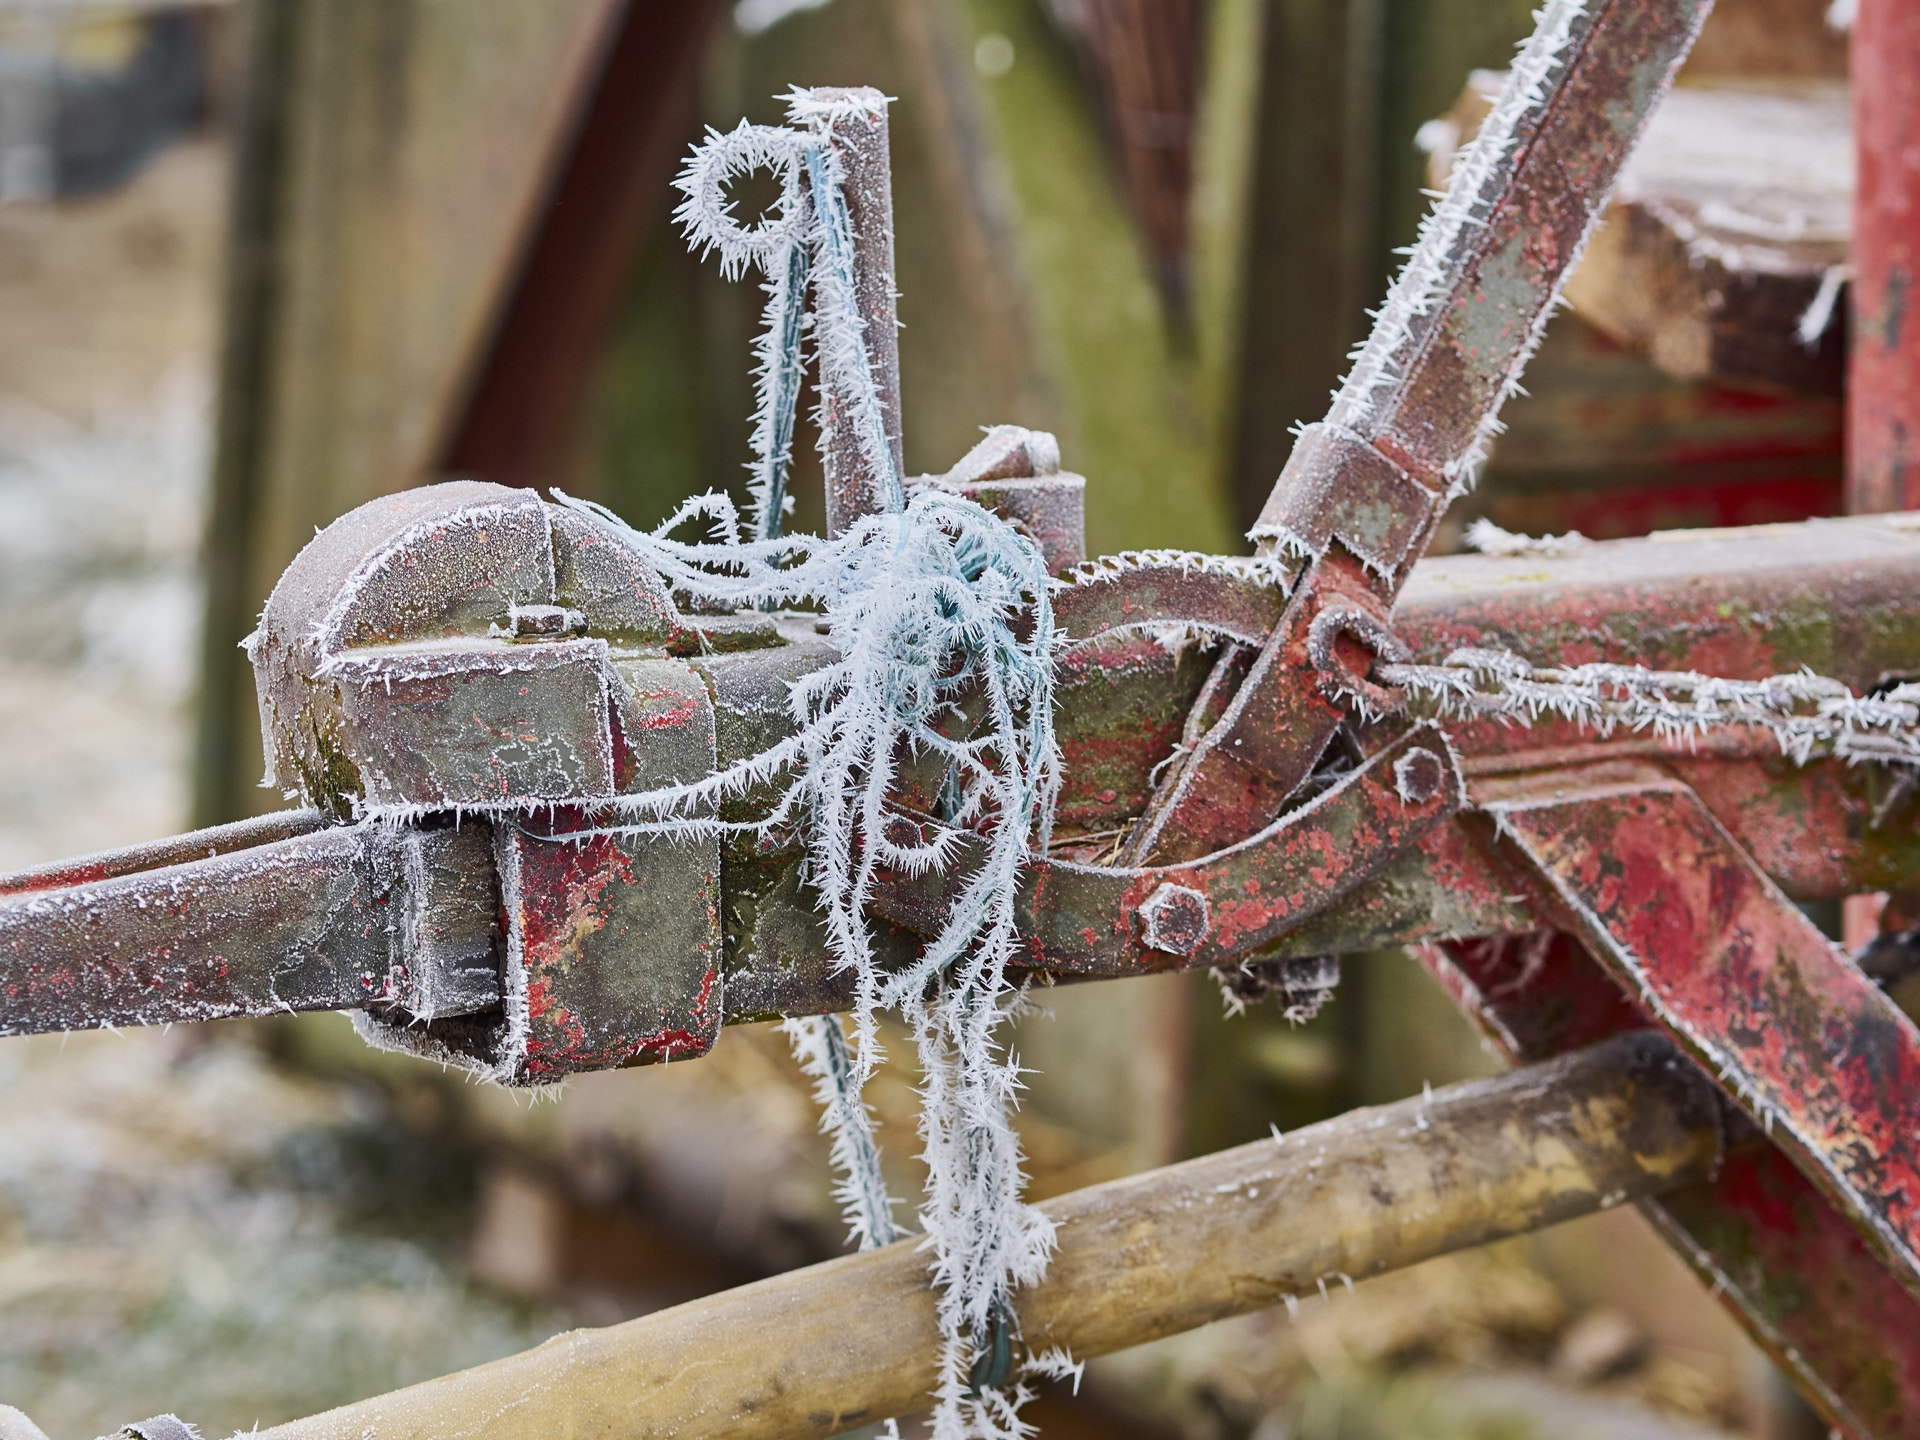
(174, 850)
(1463, 318)
(861, 144)
(1363, 490)
(825, 1349)
(1090, 921)
(1841, 596)
(1883, 374)
(298, 924)
(1812, 1293)
(1720, 958)
(1788, 1266)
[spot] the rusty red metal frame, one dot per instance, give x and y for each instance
(1883, 370)
(491, 673)
(1362, 491)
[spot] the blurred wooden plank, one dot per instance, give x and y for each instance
(521, 417)
(1604, 443)
(394, 155)
(817, 1352)
(1776, 38)
(1145, 59)
(1311, 270)
(1722, 255)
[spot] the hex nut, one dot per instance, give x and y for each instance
(1175, 919)
(1418, 775)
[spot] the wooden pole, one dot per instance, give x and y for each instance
(821, 1350)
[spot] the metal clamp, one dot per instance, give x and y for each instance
(1096, 920)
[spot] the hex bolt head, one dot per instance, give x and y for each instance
(1174, 919)
(1418, 775)
(903, 832)
(538, 622)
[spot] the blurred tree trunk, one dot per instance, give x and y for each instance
(394, 156)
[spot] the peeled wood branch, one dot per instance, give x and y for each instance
(820, 1350)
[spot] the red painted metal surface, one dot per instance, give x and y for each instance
(295, 924)
(1741, 605)
(1270, 734)
(580, 911)
(863, 147)
(1717, 955)
(1883, 376)
(1361, 493)
(1090, 920)
(1674, 862)
(1786, 1264)
(1810, 1290)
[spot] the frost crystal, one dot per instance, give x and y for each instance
(1402, 326)
(1487, 538)
(1807, 714)
(939, 612)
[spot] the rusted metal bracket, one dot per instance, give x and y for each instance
(1740, 605)
(1091, 921)
(1798, 1274)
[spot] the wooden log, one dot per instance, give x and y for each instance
(821, 1350)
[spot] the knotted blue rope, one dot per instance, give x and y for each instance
(808, 235)
(937, 608)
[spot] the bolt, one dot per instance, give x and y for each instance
(1174, 919)
(903, 833)
(538, 622)
(1418, 775)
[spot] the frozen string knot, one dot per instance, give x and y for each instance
(805, 240)
(941, 615)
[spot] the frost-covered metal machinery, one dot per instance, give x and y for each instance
(460, 681)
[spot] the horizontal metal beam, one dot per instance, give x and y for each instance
(821, 1350)
(1841, 597)
(157, 854)
(294, 924)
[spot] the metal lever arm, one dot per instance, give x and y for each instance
(340, 918)
(1362, 492)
